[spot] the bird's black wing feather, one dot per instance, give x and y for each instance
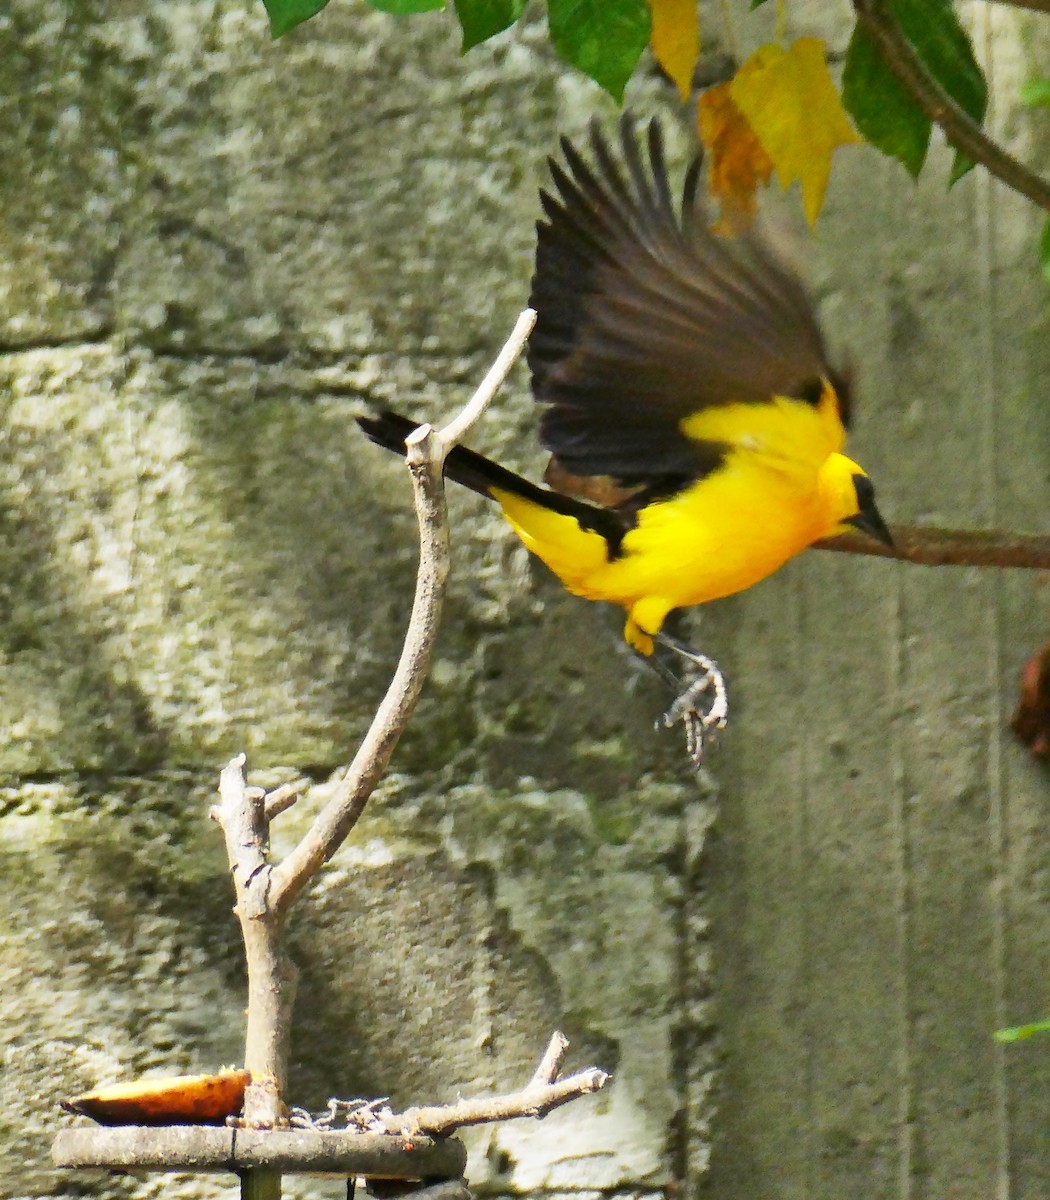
(646, 317)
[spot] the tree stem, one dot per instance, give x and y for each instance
(960, 130)
(932, 547)
(426, 450)
(271, 975)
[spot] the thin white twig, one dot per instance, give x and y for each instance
(282, 798)
(547, 1071)
(532, 1101)
(271, 976)
(539, 1096)
(425, 454)
(455, 431)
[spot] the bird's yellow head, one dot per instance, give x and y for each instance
(849, 499)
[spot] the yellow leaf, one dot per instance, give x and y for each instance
(675, 40)
(791, 103)
(738, 164)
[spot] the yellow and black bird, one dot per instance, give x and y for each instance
(695, 424)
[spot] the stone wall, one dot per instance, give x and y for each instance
(215, 250)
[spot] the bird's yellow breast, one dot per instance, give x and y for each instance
(742, 522)
(721, 534)
(718, 537)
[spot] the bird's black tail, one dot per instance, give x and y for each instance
(481, 475)
(473, 470)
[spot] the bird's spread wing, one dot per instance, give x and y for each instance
(646, 318)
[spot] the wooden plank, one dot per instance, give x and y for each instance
(199, 1148)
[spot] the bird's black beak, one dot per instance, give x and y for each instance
(869, 520)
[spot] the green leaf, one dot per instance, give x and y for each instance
(941, 43)
(1036, 92)
(1044, 251)
(286, 14)
(603, 38)
(482, 19)
(961, 164)
(882, 110)
(405, 8)
(756, 4)
(1018, 1033)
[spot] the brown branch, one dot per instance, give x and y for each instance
(951, 547)
(265, 891)
(425, 455)
(536, 1100)
(538, 1097)
(547, 1071)
(282, 798)
(959, 128)
(214, 1149)
(271, 976)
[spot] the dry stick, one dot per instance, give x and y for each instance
(532, 1101)
(425, 454)
(961, 131)
(271, 976)
(265, 892)
(542, 1093)
(547, 1071)
(951, 547)
(283, 797)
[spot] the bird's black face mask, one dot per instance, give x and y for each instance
(868, 519)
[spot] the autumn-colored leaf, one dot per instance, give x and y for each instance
(175, 1100)
(737, 162)
(1031, 721)
(791, 103)
(675, 40)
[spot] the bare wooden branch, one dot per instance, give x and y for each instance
(271, 976)
(550, 1063)
(535, 1100)
(201, 1148)
(933, 547)
(282, 798)
(425, 454)
(538, 1097)
(458, 428)
(959, 128)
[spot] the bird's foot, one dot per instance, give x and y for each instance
(703, 705)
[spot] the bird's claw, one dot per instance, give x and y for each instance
(700, 720)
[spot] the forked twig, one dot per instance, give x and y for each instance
(543, 1093)
(426, 450)
(265, 890)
